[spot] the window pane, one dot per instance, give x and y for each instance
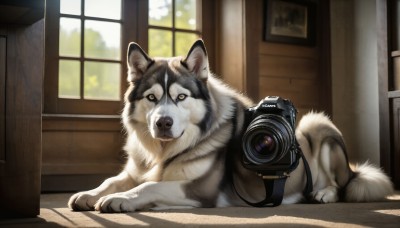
(103, 8)
(70, 37)
(183, 42)
(160, 43)
(70, 7)
(185, 14)
(69, 79)
(102, 39)
(160, 13)
(102, 81)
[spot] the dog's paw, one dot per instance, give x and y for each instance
(115, 203)
(83, 201)
(326, 195)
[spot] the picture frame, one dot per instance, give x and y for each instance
(290, 22)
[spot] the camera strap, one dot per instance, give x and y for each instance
(275, 185)
(273, 197)
(309, 185)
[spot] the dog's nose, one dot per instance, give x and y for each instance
(165, 123)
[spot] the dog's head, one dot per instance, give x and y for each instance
(168, 96)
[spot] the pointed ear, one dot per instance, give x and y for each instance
(138, 62)
(196, 60)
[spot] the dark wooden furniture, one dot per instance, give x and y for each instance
(21, 75)
(395, 108)
(389, 86)
(394, 98)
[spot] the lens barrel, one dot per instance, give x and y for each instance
(267, 139)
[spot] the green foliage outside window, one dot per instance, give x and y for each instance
(101, 80)
(160, 14)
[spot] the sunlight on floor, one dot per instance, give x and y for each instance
(389, 212)
(68, 218)
(54, 212)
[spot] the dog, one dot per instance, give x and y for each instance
(181, 121)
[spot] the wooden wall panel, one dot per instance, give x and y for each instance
(277, 49)
(299, 73)
(76, 149)
(238, 34)
(291, 72)
(87, 147)
(288, 67)
(231, 50)
(302, 92)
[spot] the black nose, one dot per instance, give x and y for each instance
(164, 123)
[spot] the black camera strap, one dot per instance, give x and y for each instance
(309, 185)
(274, 189)
(275, 185)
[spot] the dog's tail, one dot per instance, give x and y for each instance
(369, 183)
(361, 183)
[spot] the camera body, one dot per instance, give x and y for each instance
(269, 142)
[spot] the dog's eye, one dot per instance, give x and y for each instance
(151, 97)
(181, 97)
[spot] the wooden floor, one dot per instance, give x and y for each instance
(54, 213)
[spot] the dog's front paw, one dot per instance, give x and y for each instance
(326, 195)
(115, 203)
(83, 201)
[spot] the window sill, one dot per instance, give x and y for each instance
(79, 117)
(75, 122)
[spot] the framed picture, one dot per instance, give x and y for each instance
(289, 21)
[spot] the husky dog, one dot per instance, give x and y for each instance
(180, 121)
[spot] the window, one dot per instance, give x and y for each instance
(173, 26)
(86, 43)
(89, 65)
(85, 57)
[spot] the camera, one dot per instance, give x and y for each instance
(269, 142)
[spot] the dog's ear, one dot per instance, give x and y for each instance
(196, 60)
(138, 62)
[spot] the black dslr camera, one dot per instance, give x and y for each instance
(269, 142)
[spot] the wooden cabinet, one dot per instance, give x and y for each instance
(21, 79)
(396, 140)
(394, 98)
(394, 94)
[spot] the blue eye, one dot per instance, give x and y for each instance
(181, 97)
(151, 97)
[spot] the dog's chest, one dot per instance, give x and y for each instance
(187, 170)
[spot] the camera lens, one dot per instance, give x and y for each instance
(263, 144)
(267, 139)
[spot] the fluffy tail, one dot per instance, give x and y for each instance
(369, 184)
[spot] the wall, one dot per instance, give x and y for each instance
(80, 151)
(260, 68)
(299, 72)
(354, 76)
(292, 72)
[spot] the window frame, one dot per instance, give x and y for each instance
(173, 29)
(134, 27)
(56, 105)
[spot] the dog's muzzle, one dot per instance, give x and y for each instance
(164, 125)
